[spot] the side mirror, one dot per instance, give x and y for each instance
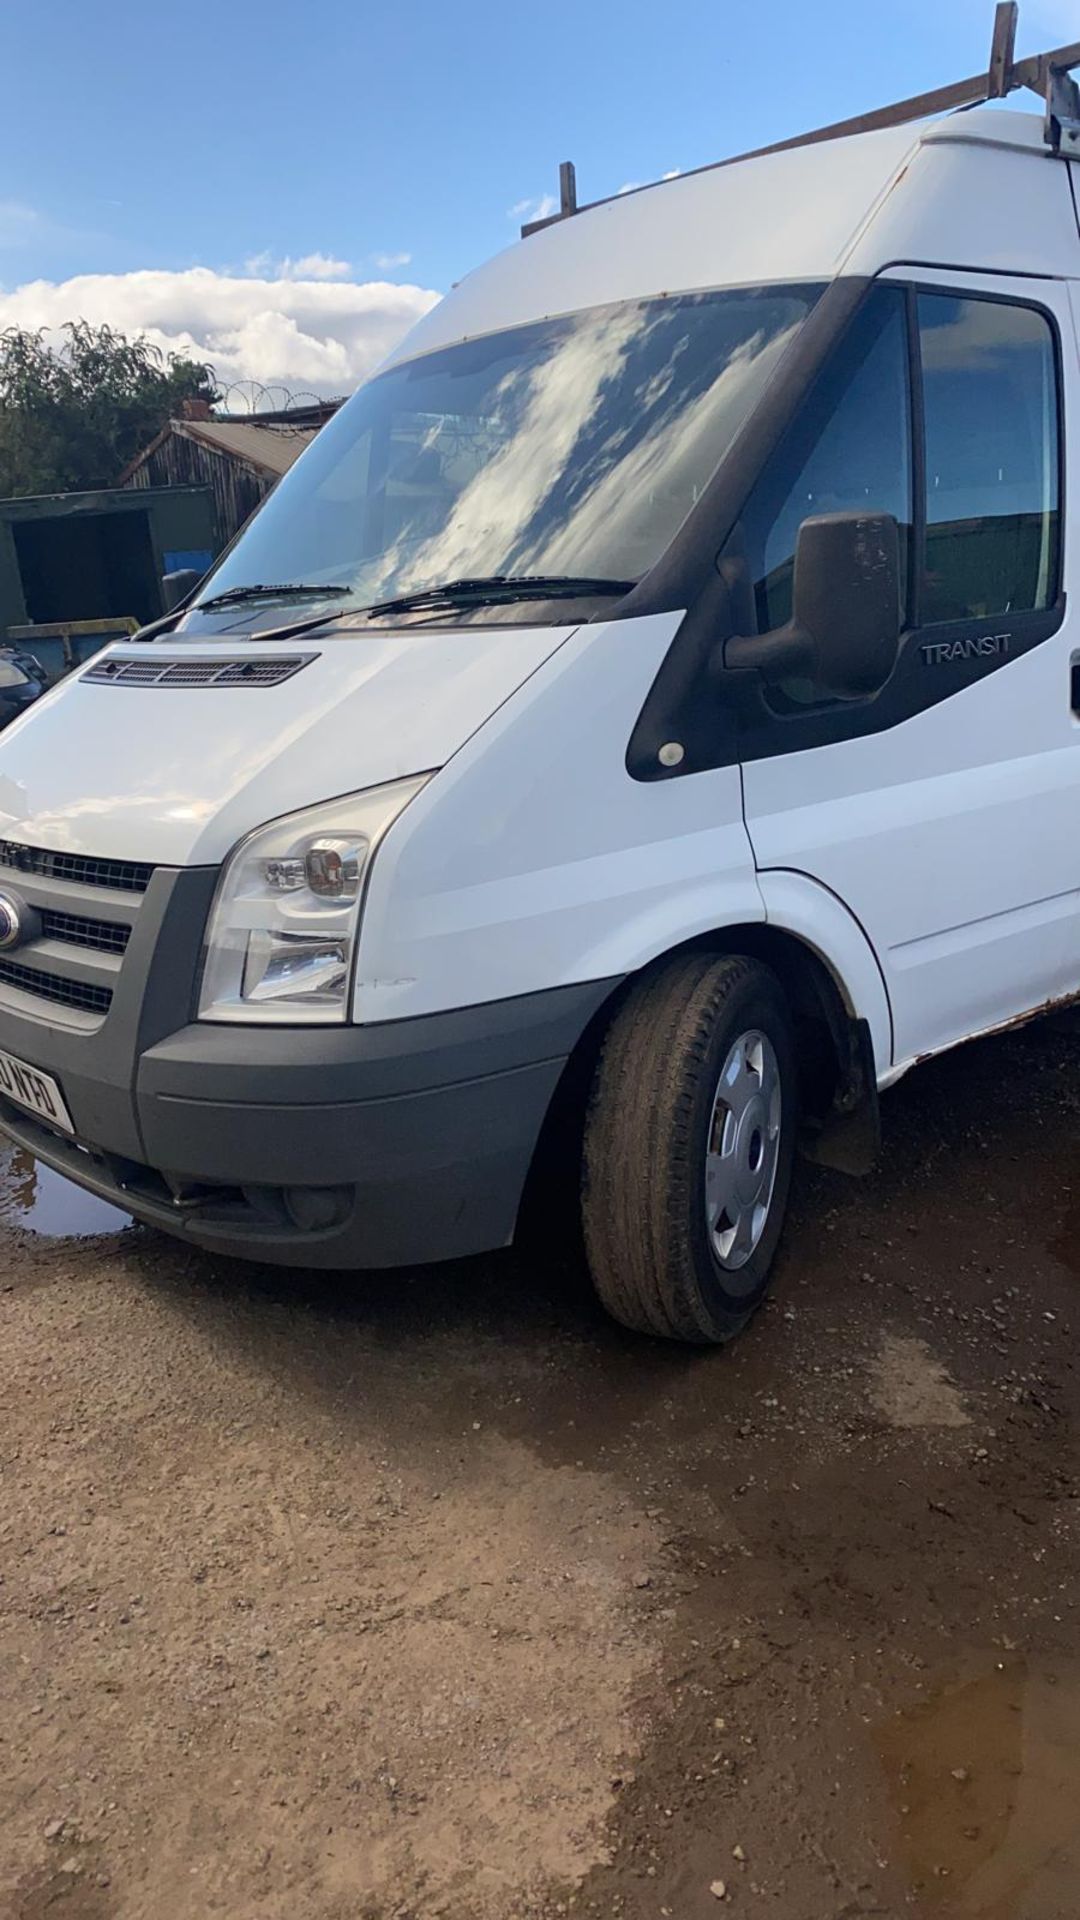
(176, 586)
(845, 620)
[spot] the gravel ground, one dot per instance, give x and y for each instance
(437, 1595)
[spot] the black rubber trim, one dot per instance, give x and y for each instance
(409, 1180)
(916, 267)
(917, 428)
(208, 1063)
(916, 684)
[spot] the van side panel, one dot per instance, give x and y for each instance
(533, 860)
(952, 847)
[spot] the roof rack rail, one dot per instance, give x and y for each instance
(1047, 74)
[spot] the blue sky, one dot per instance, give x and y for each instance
(349, 145)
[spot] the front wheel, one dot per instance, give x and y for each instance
(689, 1145)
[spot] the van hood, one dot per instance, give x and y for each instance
(175, 775)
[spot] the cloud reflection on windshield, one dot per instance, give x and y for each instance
(570, 446)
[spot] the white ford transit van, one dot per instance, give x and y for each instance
(647, 718)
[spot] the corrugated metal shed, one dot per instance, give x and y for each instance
(239, 460)
(272, 447)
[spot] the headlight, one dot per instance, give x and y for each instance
(283, 926)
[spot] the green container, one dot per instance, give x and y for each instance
(71, 559)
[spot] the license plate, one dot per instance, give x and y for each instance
(34, 1090)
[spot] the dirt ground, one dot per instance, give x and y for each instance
(437, 1595)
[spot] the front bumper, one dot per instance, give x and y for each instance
(372, 1146)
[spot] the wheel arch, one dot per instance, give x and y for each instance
(841, 1020)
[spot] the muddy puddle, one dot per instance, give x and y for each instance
(36, 1199)
(985, 1780)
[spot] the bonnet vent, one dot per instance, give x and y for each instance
(267, 671)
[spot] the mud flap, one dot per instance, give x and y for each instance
(848, 1136)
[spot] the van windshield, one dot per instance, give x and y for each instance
(568, 447)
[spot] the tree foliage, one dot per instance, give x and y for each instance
(72, 415)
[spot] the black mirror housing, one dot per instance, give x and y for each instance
(846, 597)
(845, 623)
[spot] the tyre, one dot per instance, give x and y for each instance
(689, 1145)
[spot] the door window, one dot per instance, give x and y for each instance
(991, 428)
(987, 542)
(847, 451)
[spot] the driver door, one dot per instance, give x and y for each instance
(942, 810)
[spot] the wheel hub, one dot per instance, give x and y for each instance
(743, 1148)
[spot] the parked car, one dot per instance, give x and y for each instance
(22, 681)
(645, 721)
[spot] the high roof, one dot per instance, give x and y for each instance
(979, 190)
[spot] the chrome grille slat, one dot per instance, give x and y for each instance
(262, 670)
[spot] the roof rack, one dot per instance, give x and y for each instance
(1047, 74)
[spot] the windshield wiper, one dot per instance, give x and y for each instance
(290, 590)
(493, 588)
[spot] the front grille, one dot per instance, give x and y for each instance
(103, 936)
(125, 876)
(83, 994)
(84, 913)
(262, 671)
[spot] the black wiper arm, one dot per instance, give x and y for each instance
(289, 590)
(490, 589)
(171, 621)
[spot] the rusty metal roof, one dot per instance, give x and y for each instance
(272, 447)
(269, 445)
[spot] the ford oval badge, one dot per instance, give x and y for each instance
(11, 921)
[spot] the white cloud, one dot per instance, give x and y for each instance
(317, 334)
(310, 266)
(316, 266)
(538, 209)
(386, 262)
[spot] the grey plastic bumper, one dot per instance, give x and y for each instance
(379, 1146)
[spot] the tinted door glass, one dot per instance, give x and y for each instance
(848, 451)
(990, 405)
